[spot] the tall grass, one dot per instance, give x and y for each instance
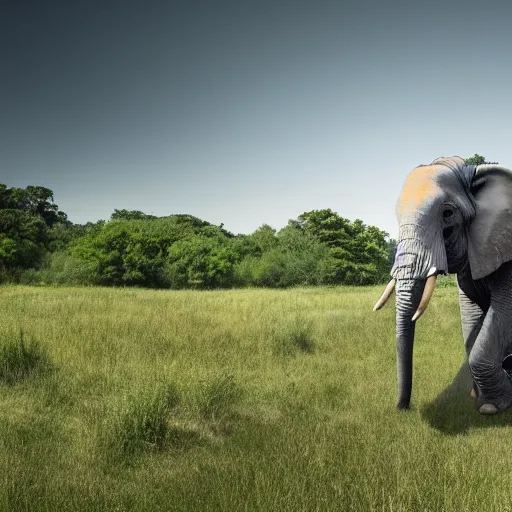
(238, 400)
(143, 424)
(19, 359)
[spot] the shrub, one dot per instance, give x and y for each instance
(10, 276)
(60, 268)
(269, 269)
(335, 270)
(179, 250)
(200, 262)
(278, 269)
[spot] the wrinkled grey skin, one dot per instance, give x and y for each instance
(458, 221)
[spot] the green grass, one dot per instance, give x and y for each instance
(19, 360)
(250, 400)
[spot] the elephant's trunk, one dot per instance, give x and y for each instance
(408, 295)
(416, 266)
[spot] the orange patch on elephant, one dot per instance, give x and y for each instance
(419, 187)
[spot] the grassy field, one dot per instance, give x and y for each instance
(254, 400)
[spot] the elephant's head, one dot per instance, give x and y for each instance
(451, 216)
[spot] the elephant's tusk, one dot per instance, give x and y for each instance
(385, 296)
(427, 295)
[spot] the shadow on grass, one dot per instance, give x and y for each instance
(453, 412)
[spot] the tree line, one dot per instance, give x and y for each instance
(39, 245)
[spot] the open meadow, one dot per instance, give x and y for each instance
(253, 400)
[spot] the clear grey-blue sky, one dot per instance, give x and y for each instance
(247, 112)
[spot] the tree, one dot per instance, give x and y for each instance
(5, 195)
(35, 200)
(359, 254)
(264, 239)
(477, 159)
(326, 225)
(22, 239)
(62, 234)
(26, 216)
(130, 215)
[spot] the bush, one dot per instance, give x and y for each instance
(61, 268)
(200, 262)
(178, 251)
(334, 270)
(293, 262)
(265, 271)
(125, 253)
(10, 275)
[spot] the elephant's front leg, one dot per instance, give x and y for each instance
(472, 317)
(485, 359)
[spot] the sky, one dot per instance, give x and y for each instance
(247, 113)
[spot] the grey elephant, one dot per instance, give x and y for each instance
(457, 218)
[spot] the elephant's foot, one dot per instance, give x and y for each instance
(487, 409)
(493, 395)
(492, 407)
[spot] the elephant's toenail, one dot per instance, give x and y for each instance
(488, 409)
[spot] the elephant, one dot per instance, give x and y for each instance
(456, 218)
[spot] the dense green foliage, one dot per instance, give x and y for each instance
(26, 217)
(37, 201)
(182, 251)
(39, 245)
(22, 239)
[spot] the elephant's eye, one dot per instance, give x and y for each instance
(447, 213)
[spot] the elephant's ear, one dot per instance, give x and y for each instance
(490, 232)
